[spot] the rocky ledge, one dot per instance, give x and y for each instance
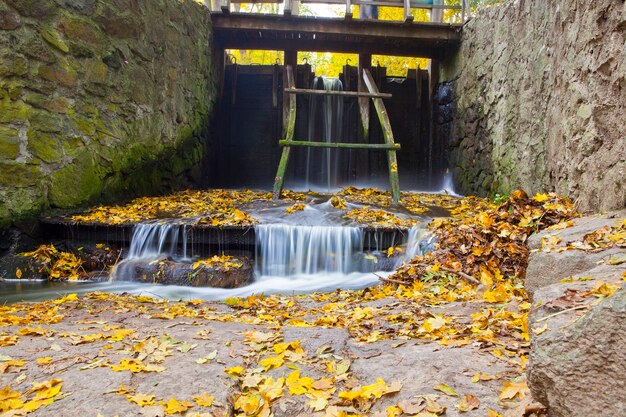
(577, 363)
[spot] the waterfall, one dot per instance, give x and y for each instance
(324, 171)
(296, 253)
(418, 242)
(284, 250)
(151, 241)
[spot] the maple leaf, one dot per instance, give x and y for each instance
(468, 403)
(271, 362)
(204, 399)
(173, 406)
(234, 371)
(513, 389)
(141, 399)
(298, 385)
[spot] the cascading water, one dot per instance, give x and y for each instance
(322, 169)
(152, 241)
(285, 250)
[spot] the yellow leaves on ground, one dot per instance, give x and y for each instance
(11, 365)
(173, 406)
(41, 394)
(214, 207)
(227, 207)
(44, 361)
(512, 390)
(234, 371)
(468, 403)
(488, 243)
(499, 294)
(604, 289)
(204, 399)
(363, 397)
(141, 400)
(224, 262)
(66, 299)
(298, 385)
(135, 366)
(8, 340)
(272, 362)
(294, 208)
(446, 389)
(56, 264)
(378, 218)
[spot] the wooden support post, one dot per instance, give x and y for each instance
(383, 118)
(275, 76)
(346, 77)
(233, 81)
(290, 108)
(225, 5)
(408, 17)
(365, 62)
(348, 10)
(290, 59)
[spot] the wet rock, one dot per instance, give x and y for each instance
(178, 273)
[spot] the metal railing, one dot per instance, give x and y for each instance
(291, 7)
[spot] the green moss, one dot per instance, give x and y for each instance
(60, 73)
(16, 174)
(54, 38)
(9, 143)
(16, 112)
(76, 183)
(45, 146)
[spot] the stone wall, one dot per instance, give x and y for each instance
(100, 99)
(536, 98)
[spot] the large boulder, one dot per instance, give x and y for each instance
(549, 265)
(577, 366)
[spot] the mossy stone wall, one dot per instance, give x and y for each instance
(100, 100)
(536, 98)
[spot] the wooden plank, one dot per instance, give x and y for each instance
(338, 145)
(336, 93)
(279, 181)
(383, 118)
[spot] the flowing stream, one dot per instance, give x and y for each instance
(288, 258)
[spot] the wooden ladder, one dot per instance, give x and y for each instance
(290, 119)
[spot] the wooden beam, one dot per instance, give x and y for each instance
(338, 145)
(383, 117)
(303, 33)
(336, 93)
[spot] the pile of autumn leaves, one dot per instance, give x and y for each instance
(488, 242)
